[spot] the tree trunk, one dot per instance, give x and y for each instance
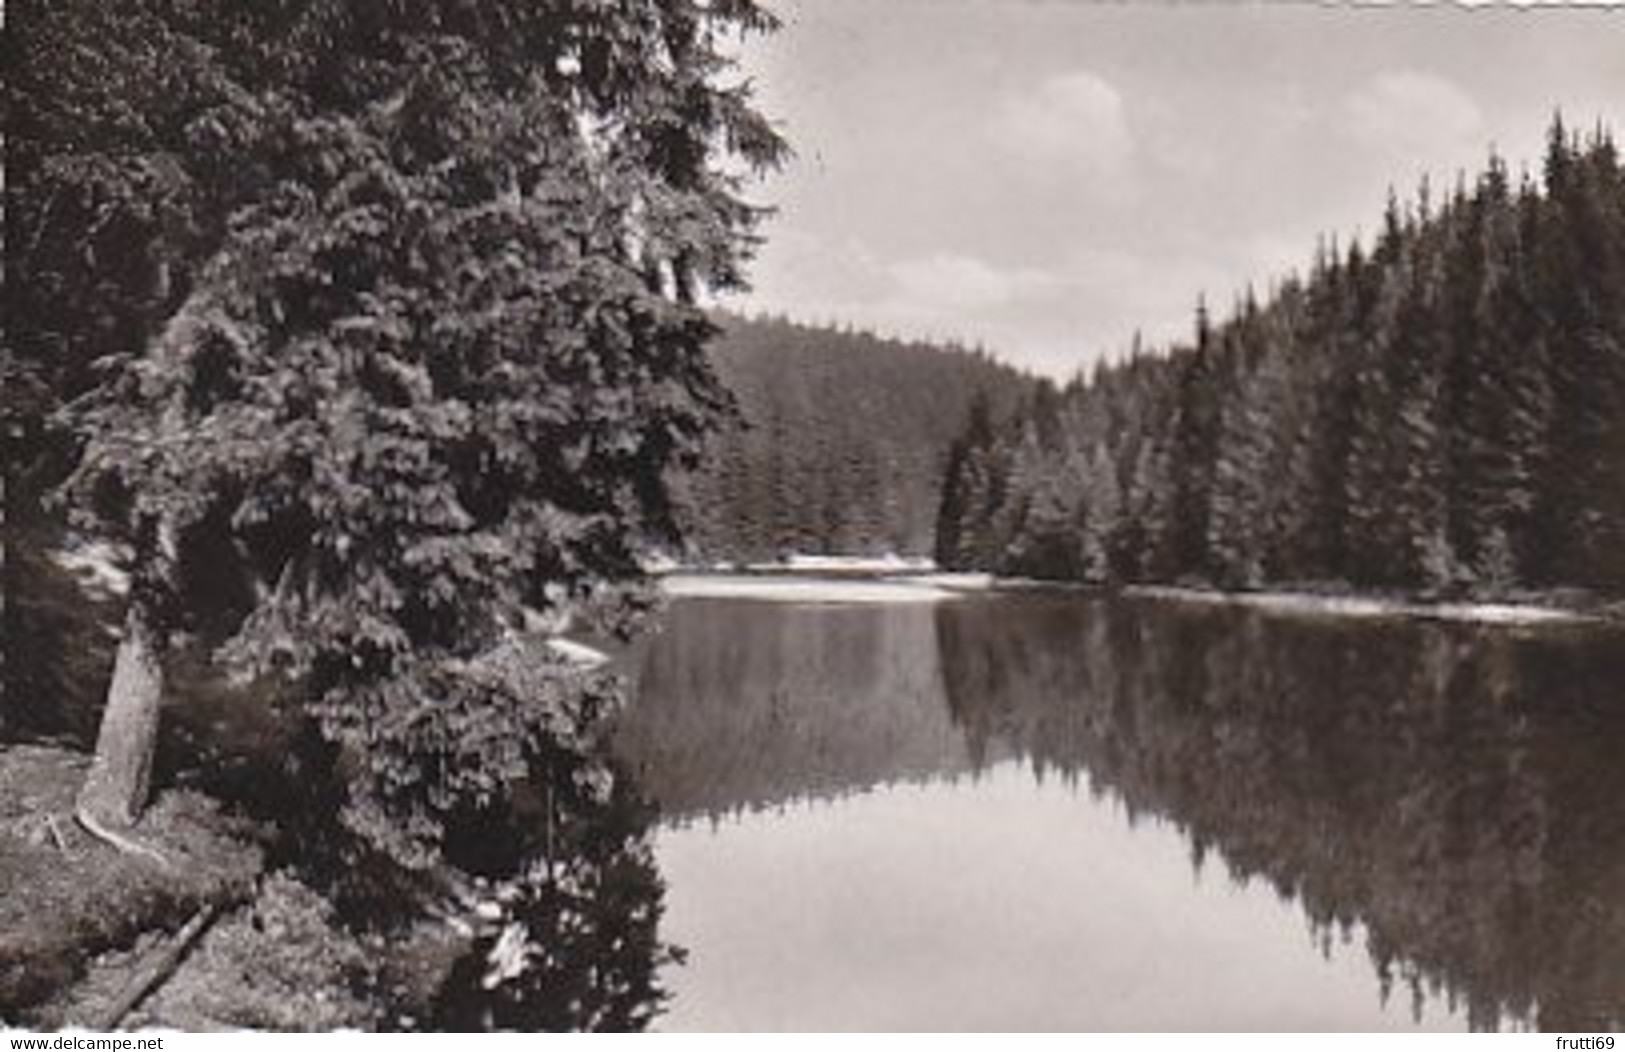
(115, 790)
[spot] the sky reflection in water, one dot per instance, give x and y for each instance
(1055, 811)
(990, 902)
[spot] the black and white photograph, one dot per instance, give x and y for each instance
(805, 516)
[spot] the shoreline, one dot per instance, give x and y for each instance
(1355, 604)
(868, 581)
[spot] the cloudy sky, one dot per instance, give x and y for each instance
(1046, 177)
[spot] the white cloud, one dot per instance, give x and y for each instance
(959, 284)
(1410, 113)
(797, 268)
(946, 296)
(1076, 121)
(1053, 318)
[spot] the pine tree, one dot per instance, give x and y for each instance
(1419, 531)
(1101, 515)
(434, 372)
(1577, 266)
(1234, 545)
(958, 488)
(1196, 440)
(1506, 414)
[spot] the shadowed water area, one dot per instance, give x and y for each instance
(1051, 811)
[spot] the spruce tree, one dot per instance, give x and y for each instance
(432, 371)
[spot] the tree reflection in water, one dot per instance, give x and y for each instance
(1456, 791)
(576, 894)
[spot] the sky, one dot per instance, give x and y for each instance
(1047, 177)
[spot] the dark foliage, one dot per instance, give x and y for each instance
(368, 327)
(1444, 794)
(370, 330)
(1442, 414)
(840, 442)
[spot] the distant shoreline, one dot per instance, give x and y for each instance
(866, 580)
(1354, 604)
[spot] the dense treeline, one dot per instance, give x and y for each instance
(1326, 759)
(1442, 412)
(840, 443)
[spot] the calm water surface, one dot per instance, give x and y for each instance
(1058, 812)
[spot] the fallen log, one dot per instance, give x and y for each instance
(156, 968)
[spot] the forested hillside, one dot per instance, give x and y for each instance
(840, 442)
(1442, 412)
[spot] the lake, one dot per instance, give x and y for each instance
(1050, 811)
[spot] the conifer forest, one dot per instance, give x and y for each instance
(811, 515)
(1441, 411)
